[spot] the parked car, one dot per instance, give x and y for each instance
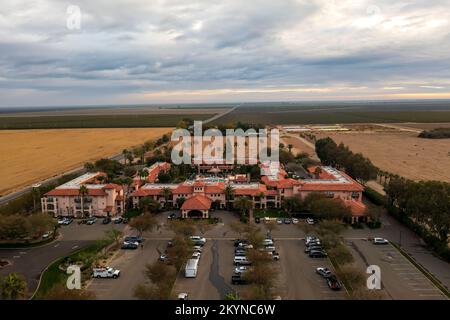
(279, 221)
(240, 253)
(91, 221)
(183, 296)
(61, 221)
(310, 221)
(245, 246)
(238, 241)
(198, 241)
(269, 248)
(237, 279)
(196, 255)
(294, 220)
(380, 241)
(68, 221)
(105, 273)
(125, 221)
(287, 221)
(313, 248)
(333, 283)
(118, 220)
(315, 242)
(46, 235)
(317, 254)
(106, 220)
(241, 261)
(324, 272)
(130, 245)
(133, 239)
(275, 255)
(257, 219)
(198, 249)
(172, 216)
(164, 258)
(240, 269)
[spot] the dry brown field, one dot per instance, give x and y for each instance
(29, 156)
(402, 153)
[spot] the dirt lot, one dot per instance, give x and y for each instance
(33, 155)
(402, 153)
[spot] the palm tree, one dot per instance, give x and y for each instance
(143, 174)
(229, 194)
(243, 204)
(317, 172)
(166, 193)
(125, 153)
(13, 287)
(148, 204)
(83, 191)
(290, 146)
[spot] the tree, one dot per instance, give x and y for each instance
(290, 146)
(41, 223)
(89, 167)
(166, 193)
(149, 205)
(180, 201)
(83, 191)
(292, 204)
(238, 227)
(143, 174)
(229, 195)
(243, 204)
(13, 287)
(114, 235)
(163, 177)
(143, 223)
(180, 251)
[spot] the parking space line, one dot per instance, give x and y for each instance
(419, 289)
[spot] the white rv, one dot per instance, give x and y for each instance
(190, 270)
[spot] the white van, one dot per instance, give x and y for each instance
(190, 271)
(105, 273)
(241, 261)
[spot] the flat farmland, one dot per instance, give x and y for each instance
(29, 156)
(401, 153)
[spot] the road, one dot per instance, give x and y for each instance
(12, 196)
(220, 115)
(31, 262)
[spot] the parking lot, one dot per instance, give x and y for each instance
(298, 278)
(399, 278)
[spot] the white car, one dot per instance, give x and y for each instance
(198, 241)
(240, 269)
(183, 296)
(198, 249)
(380, 241)
(196, 255)
(267, 242)
(310, 239)
(294, 220)
(245, 246)
(310, 221)
(46, 235)
(279, 221)
(105, 273)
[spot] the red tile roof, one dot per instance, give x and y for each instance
(358, 208)
(311, 186)
(182, 188)
(197, 202)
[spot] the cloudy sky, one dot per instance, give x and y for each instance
(172, 51)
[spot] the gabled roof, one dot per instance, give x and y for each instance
(197, 202)
(358, 208)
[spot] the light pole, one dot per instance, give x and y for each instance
(34, 190)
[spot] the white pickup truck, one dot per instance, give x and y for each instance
(105, 273)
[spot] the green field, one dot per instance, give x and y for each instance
(97, 121)
(268, 116)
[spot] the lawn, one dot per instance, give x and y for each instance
(53, 276)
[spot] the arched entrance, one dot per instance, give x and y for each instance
(195, 214)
